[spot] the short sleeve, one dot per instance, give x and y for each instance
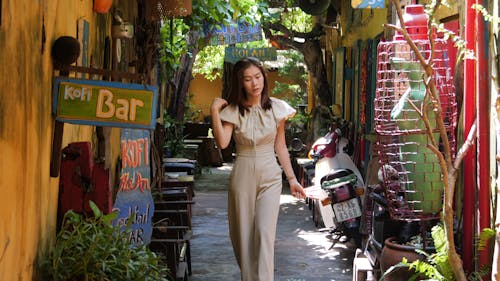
(282, 110)
(230, 114)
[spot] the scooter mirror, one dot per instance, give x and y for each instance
(296, 144)
(338, 131)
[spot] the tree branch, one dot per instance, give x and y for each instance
(469, 142)
(315, 33)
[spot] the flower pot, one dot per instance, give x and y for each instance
(102, 6)
(392, 254)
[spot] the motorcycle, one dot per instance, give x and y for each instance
(338, 189)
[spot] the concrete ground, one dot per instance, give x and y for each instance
(302, 252)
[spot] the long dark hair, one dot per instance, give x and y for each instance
(237, 94)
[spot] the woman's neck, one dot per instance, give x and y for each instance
(253, 101)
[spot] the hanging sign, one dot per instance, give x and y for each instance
(134, 202)
(232, 33)
(370, 4)
(233, 54)
(102, 103)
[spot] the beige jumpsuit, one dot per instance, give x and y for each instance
(255, 188)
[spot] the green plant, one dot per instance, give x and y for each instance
(294, 92)
(91, 248)
(174, 134)
(192, 112)
(437, 266)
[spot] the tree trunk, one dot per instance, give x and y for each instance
(313, 57)
(182, 78)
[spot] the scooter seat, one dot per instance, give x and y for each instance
(336, 173)
(338, 178)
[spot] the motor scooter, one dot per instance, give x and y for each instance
(338, 188)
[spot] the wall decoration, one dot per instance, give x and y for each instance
(134, 201)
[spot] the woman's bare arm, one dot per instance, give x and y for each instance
(284, 158)
(222, 130)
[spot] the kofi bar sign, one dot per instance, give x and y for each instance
(102, 103)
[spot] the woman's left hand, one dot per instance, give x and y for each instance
(296, 189)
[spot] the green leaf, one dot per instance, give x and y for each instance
(486, 235)
(108, 218)
(95, 209)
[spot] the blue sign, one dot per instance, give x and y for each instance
(232, 33)
(134, 201)
(370, 4)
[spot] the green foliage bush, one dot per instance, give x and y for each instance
(91, 248)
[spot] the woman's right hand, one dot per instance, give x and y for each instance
(218, 104)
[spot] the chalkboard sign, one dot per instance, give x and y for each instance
(134, 201)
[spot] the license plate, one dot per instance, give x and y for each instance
(347, 210)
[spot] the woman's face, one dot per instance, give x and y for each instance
(253, 82)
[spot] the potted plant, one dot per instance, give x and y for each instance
(436, 266)
(91, 248)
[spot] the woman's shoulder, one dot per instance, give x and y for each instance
(230, 108)
(282, 110)
(273, 99)
(230, 113)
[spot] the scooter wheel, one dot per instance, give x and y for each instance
(309, 202)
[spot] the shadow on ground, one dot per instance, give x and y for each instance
(302, 253)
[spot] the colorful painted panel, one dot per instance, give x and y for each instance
(235, 32)
(134, 201)
(360, 4)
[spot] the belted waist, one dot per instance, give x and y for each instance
(252, 151)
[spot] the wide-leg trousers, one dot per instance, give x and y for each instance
(253, 207)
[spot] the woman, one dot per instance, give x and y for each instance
(257, 124)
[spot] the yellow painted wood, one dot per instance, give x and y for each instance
(29, 199)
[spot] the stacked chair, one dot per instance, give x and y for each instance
(172, 228)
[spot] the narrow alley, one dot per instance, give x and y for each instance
(303, 253)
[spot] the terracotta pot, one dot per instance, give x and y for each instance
(393, 253)
(102, 6)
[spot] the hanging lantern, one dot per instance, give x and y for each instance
(176, 8)
(416, 193)
(102, 6)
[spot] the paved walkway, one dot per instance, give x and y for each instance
(302, 253)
